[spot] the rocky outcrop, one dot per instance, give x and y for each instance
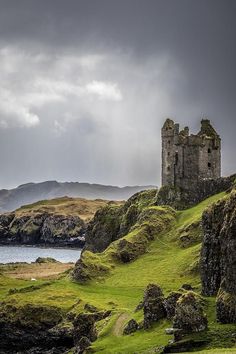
(84, 329)
(170, 304)
(218, 256)
(180, 198)
(103, 229)
(88, 267)
(131, 327)
(150, 222)
(36, 326)
(189, 315)
(82, 345)
(42, 229)
(226, 306)
(113, 222)
(46, 329)
(153, 305)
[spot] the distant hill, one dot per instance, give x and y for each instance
(32, 192)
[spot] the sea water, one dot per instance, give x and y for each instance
(9, 254)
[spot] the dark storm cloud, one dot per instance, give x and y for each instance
(86, 85)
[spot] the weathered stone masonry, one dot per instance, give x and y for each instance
(188, 159)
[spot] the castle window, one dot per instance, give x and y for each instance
(209, 165)
(169, 142)
(168, 153)
(209, 151)
(168, 168)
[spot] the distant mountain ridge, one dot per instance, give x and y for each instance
(11, 199)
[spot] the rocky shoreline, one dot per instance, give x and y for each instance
(42, 229)
(76, 244)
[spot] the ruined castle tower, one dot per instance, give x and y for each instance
(186, 159)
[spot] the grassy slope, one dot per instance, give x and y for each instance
(81, 207)
(165, 264)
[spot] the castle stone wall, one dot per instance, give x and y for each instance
(187, 159)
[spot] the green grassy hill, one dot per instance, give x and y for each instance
(84, 208)
(168, 261)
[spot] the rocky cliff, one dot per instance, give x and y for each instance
(114, 221)
(59, 222)
(32, 329)
(218, 256)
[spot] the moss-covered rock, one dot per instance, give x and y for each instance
(131, 327)
(189, 315)
(218, 256)
(84, 327)
(150, 223)
(30, 315)
(25, 327)
(113, 222)
(226, 307)
(89, 266)
(153, 305)
(82, 345)
(170, 303)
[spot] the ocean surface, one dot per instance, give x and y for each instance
(29, 254)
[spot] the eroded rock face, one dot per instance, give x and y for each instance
(42, 228)
(131, 327)
(103, 229)
(153, 305)
(218, 256)
(33, 329)
(84, 329)
(189, 315)
(113, 222)
(82, 345)
(170, 303)
(81, 272)
(226, 306)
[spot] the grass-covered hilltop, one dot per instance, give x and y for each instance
(56, 222)
(151, 279)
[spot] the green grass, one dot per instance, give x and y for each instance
(164, 263)
(193, 214)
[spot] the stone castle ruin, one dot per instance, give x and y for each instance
(188, 159)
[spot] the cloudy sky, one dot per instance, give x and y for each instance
(85, 85)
